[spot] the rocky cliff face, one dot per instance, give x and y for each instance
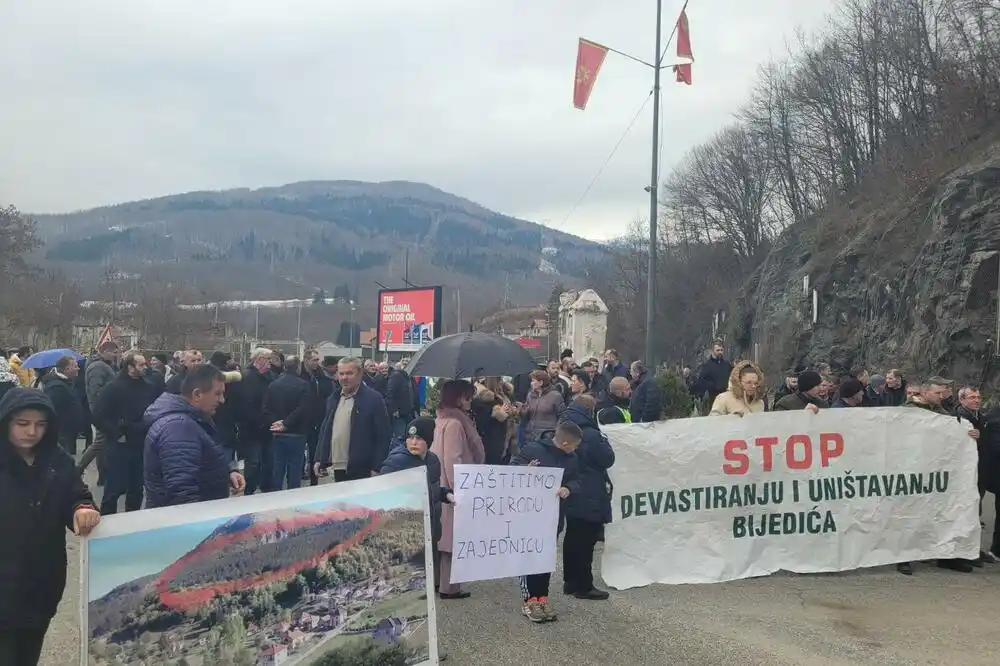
(909, 284)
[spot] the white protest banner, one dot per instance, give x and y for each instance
(711, 499)
(333, 574)
(505, 521)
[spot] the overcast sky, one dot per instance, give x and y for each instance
(114, 100)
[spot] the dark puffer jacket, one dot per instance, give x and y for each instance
(184, 460)
(38, 504)
(401, 459)
(594, 458)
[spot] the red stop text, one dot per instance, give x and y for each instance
(799, 452)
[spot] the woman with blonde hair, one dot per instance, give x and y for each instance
(745, 394)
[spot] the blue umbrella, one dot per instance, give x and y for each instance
(48, 358)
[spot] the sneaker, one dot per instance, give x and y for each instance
(550, 615)
(905, 568)
(532, 610)
(990, 558)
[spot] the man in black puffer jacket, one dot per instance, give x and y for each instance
(588, 509)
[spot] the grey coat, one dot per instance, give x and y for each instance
(97, 376)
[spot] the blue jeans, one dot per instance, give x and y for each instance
(289, 455)
(520, 436)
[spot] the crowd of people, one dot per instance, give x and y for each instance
(170, 431)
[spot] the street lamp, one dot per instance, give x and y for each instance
(352, 326)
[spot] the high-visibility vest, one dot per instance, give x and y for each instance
(625, 413)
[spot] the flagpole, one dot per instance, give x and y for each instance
(653, 198)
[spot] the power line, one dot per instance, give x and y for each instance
(607, 161)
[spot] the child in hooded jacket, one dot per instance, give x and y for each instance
(417, 453)
(42, 496)
(553, 449)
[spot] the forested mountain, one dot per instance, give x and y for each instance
(275, 242)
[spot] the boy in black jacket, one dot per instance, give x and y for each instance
(553, 449)
(416, 453)
(42, 495)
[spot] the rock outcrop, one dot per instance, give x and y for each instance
(907, 284)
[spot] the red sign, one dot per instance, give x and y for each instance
(408, 318)
(530, 343)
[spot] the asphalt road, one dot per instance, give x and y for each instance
(874, 616)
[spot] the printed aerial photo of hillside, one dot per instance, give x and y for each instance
(331, 584)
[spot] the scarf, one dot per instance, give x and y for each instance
(471, 434)
(6, 376)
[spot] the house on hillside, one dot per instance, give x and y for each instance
(389, 630)
(273, 655)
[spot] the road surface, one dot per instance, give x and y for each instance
(870, 617)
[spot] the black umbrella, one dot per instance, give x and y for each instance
(471, 355)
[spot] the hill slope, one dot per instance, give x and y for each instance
(282, 242)
(913, 286)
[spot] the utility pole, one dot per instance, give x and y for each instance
(654, 177)
(256, 325)
(458, 309)
(298, 326)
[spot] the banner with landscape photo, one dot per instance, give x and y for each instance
(335, 575)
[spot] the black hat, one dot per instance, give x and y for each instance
(851, 387)
(809, 380)
(422, 427)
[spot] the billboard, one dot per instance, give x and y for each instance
(408, 318)
(339, 573)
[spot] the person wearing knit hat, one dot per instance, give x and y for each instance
(850, 394)
(417, 453)
(808, 394)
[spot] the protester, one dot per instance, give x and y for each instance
(119, 414)
(58, 385)
(713, 375)
(646, 404)
(492, 410)
(970, 402)
(875, 392)
(185, 461)
(614, 405)
(254, 441)
(417, 453)
(744, 395)
(808, 394)
(8, 379)
(25, 376)
(589, 509)
(400, 399)
(579, 383)
(321, 386)
(101, 371)
(553, 449)
(355, 435)
(932, 396)
(287, 406)
(545, 402)
(227, 416)
(850, 394)
(895, 393)
(42, 495)
(456, 442)
(191, 358)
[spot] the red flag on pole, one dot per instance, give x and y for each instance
(683, 70)
(589, 58)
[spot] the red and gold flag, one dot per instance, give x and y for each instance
(589, 58)
(682, 70)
